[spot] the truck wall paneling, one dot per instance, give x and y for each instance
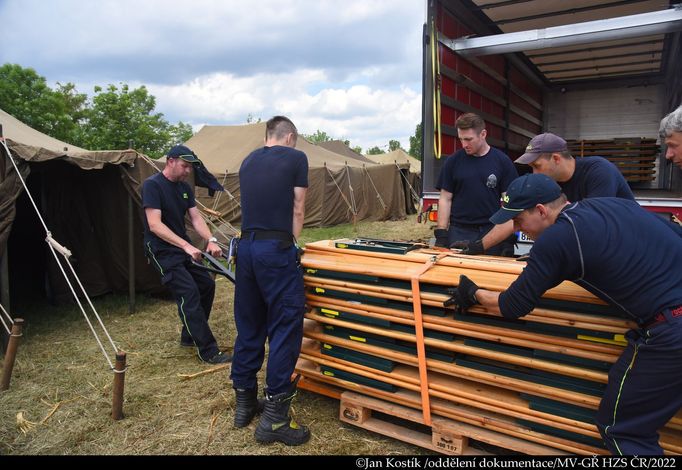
(606, 113)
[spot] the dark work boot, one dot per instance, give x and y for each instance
(276, 425)
(248, 405)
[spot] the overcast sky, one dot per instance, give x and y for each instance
(351, 68)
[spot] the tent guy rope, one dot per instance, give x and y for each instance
(56, 247)
(9, 318)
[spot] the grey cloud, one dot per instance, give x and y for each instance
(91, 42)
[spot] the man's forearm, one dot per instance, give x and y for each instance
(297, 224)
(199, 224)
(444, 206)
(162, 231)
(498, 234)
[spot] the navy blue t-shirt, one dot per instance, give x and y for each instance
(267, 179)
(476, 184)
(613, 248)
(596, 177)
(174, 199)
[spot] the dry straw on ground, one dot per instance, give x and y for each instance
(60, 396)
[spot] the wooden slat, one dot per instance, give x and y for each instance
(488, 272)
(458, 346)
(456, 390)
(538, 315)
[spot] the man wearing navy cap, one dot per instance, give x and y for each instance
(624, 255)
(166, 197)
(579, 179)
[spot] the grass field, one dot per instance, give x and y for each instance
(60, 396)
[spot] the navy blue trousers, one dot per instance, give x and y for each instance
(194, 290)
(475, 232)
(644, 389)
(269, 303)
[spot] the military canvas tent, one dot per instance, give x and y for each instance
(399, 156)
(341, 189)
(341, 148)
(412, 178)
(84, 198)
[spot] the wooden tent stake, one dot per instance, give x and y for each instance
(119, 380)
(11, 353)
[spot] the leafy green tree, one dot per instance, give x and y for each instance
(76, 103)
(393, 145)
(375, 151)
(112, 119)
(317, 137)
(120, 115)
(180, 132)
(25, 95)
(416, 143)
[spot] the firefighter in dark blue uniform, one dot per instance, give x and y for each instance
(166, 197)
(269, 297)
(471, 182)
(624, 255)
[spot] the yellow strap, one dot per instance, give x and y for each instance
(435, 71)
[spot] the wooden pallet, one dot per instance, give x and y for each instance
(635, 157)
(444, 435)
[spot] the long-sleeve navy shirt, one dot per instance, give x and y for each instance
(613, 248)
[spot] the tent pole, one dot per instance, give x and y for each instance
(131, 258)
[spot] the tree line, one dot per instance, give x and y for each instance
(415, 143)
(114, 116)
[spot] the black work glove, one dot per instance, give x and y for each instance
(469, 248)
(441, 235)
(463, 296)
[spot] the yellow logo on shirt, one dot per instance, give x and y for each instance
(185, 196)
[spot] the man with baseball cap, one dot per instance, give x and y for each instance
(624, 255)
(579, 179)
(166, 197)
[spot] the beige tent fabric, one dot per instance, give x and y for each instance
(222, 148)
(341, 148)
(399, 156)
(339, 191)
(330, 200)
(20, 132)
(83, 197)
